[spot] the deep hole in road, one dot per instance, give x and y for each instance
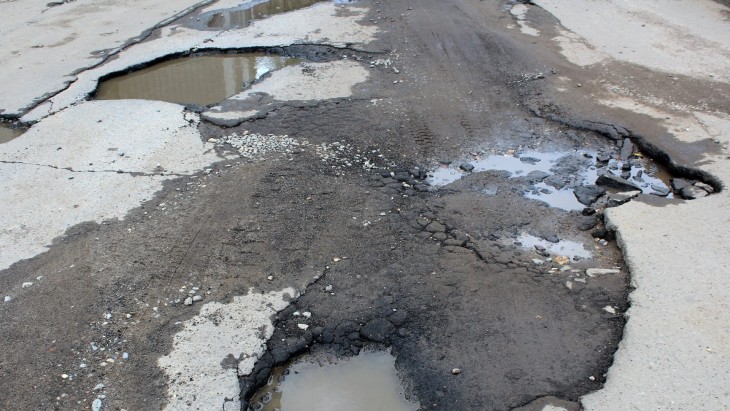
(551, 177)
(367, 381)
(198, 79)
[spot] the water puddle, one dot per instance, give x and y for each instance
(516, 166)
(567, 248)
(201, 80)
(367, 382)
(243, 16)
(570, 169)
(8, 133)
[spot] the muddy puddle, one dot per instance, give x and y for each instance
(8, 133)
(201, 80)
(366, 382)
(551, 177)
(243, 16)
(571, 249)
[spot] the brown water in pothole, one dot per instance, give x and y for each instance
(367, 382)
(8, 133)
(242, 17)
(201, 80)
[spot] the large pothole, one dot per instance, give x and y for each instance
(200, 80)
(322, 382)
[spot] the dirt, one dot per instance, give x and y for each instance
(437, 275)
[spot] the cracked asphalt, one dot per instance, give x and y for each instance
(158, 256)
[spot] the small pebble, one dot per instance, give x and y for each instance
(197, 298)
(328, 288)
(188, 301)
(8, 298)
(27, 284)
(456, 371)
(302, 326)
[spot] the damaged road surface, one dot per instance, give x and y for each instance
(314, 205)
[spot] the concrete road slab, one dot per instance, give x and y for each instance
(91, 162)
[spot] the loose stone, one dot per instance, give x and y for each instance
(593, 272)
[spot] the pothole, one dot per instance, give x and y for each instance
(8, 133)
(200, 80)
(572, 249)
(322, 382)
(552, 177)
(243, 16)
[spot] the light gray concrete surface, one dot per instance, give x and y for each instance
(42, 48)
(683, 37)
(89, 163)
(238, 330)
(303, 82)
(675, 354)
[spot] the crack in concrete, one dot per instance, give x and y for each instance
(131, 42)
(70, 169)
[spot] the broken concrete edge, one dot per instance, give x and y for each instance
(258, 376)
(242, 325)
(73, 76)
(653, 151)
(294, 50)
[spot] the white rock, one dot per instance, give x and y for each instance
(593, 272)
(188, 301)
(609, 309)
(302, 326)
(328, 288)
(96, 405)
(8, 298)
(99, 386)
(27, 284)
(197, 298)
(307, 314)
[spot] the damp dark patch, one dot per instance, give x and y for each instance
(8, 132)
(200, 80)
